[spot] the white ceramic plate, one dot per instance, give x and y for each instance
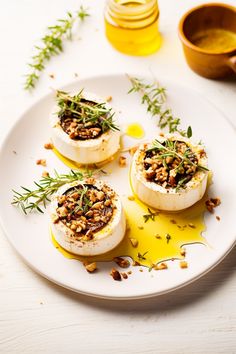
(30, 234)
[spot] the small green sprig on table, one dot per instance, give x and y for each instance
(52, 44)
(150, 216)
(29, 200)
(84, 112)
(154, 97)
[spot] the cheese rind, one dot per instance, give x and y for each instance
(103, 240)
(169, 199)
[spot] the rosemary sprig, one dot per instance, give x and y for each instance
(84, 112)
(29, 200)
(52, 44)
(154, 96)
(168, 238)
(150, 216)
(169, 150)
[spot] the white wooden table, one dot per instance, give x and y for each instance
(37, 316)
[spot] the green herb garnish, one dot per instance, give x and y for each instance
(170, 150)
(85, 113)
(52, 44)
(154, 97)
(29, 200)
(168, 238)
(141, 256)
(150, 216)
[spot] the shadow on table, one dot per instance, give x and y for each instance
(186, 296)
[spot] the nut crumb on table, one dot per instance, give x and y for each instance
(41, 162)
(115, 274)
(122, 161)
(48, 146)
(212, 203)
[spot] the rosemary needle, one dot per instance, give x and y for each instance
(52, 44)
(29, 200)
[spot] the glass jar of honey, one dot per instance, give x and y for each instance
(132, 26)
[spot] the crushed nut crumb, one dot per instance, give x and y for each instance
(124, 275)
(41, 162)
(217, 217)
(133, 149)
(121, 262)
(45, 174)
(91, 267)
(122, 161)
(160, 266)
(48, 146)
(212, 203)
(115, 274)
(183, 264)
(109, 98)
(135, 264)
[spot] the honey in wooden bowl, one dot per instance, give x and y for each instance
(208, 35)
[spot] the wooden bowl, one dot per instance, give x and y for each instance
(213, 65)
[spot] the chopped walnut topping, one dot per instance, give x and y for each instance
(41, 162)
(183, 264)
(134, 242)
(83, 129)
(121, 262)
(85, 209)
(172, 170)
(91, 267)
(122, 161)
(115, 274)
(212, 203)
(48, 146)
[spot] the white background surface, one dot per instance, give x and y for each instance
(37, 316)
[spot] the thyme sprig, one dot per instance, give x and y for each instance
(170, 150)
(29, 200)
(142, 256)
(52, 44)
(150, 216)
(84, 112)
(154, 97)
